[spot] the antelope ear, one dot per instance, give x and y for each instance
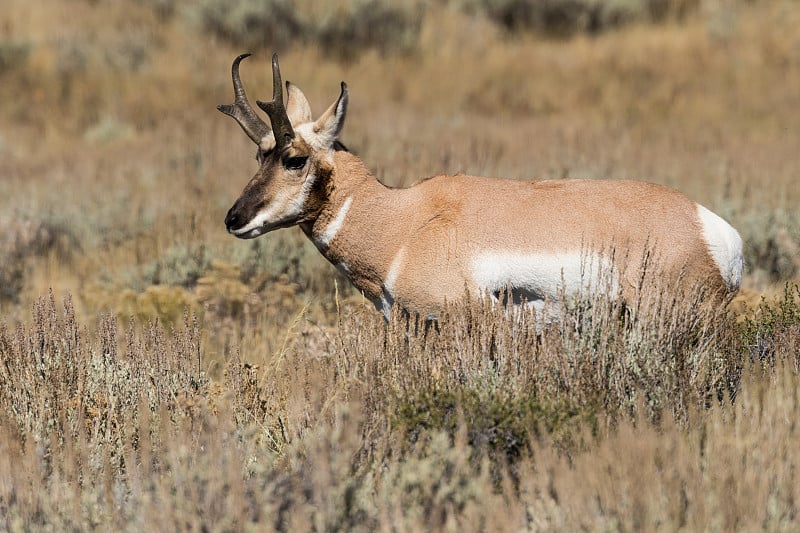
(297, 106)
(330, 124)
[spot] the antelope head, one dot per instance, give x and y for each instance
(295, 156)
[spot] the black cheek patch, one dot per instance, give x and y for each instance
(320, 190)
(323, 185)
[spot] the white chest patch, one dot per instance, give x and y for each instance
(724, 246)
(538, 277)
(335, 225)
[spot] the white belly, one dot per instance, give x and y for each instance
(537, 278)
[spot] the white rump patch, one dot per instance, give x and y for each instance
(335, 225)
(724, 245)
(537, 277)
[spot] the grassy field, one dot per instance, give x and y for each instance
(158, 374)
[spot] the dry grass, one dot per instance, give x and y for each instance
(479, 424)
(283, 406)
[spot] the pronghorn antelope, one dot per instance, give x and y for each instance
(424, 245)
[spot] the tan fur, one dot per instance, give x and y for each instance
(444, 220)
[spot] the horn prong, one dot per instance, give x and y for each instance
(281, 125)
(240, 110)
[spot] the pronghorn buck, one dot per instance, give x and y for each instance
(418, 247)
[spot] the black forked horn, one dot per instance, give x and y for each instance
(281, 126)
(240, 109)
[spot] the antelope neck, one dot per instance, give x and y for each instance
(354, 228)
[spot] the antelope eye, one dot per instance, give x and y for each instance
(295, 163)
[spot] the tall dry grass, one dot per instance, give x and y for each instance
(479, 424)
(98, 141)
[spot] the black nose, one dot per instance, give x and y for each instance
(233, 220)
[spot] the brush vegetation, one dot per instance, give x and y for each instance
(156, 373)
(681, 418)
